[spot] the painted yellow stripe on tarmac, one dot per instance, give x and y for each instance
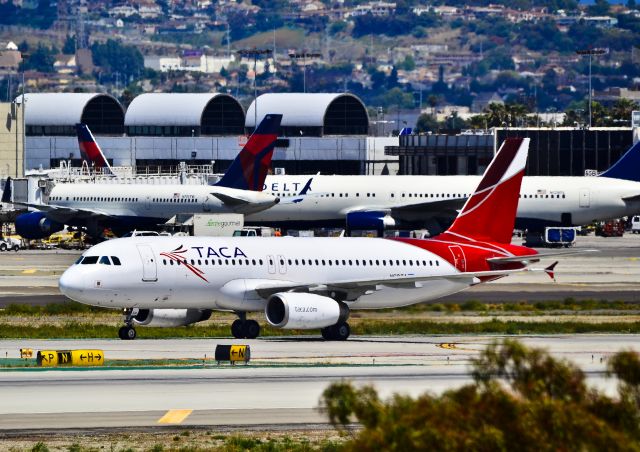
(174, 416)
(29, 272)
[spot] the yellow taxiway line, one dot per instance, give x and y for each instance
(174, 416)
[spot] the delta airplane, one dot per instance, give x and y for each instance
(380, 202)
(306, 283)
(124, 207)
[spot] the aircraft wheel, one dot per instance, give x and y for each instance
(238, 329)
(327, 333)
(252, 329)
(127, 333)
(341, 331)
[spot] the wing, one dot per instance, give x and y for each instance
(62, 214)
(243, 201)
(352, 289)
(444, 206)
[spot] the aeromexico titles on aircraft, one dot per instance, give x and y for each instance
(380, 202)
(306, 283)
(123, 207)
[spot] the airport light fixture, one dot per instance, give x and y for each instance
(255, 53)
(591, 53)
(304, 56)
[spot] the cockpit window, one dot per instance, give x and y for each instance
(116, 260)
(79, 259)
(89, 260)
(105, 260)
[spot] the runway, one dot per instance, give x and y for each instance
(282, 385)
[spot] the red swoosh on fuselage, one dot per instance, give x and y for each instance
(177, 258)
(476, 252)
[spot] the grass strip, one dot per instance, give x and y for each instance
(567, 304)
(74, 330)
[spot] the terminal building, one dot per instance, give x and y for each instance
(552, 152)
(325, 133)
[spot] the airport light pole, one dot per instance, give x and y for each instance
(255, 53)
(304, 56)
(590, 52)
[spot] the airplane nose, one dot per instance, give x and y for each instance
(71, 285)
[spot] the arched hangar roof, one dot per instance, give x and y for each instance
(209, 113)
(331, 113)
(60, 111)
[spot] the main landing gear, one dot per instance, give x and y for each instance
(128, 332)
(338, 332)
(245, 329)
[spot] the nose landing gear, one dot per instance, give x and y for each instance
(243, 328)
(128, 332)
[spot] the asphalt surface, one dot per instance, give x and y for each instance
(281, 386)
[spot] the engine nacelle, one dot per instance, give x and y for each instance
(170, 317)
(369, 220)
(305, 311)
(36, 225)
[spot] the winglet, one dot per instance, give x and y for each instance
(90, 149)
(550, 270)
(249, 169)
(627, 167)
(6, 194)
(490, 212)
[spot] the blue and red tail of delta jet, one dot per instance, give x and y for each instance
(247, 172)
(90, 149)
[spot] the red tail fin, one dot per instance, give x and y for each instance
(490, 213)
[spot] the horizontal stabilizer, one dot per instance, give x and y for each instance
(529, 258)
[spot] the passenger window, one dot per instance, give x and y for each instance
(164, 262)
(260, 261)
(171, 262)
(90, 260)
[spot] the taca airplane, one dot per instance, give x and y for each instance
(124, 207)
(380, 202)
(306, 283)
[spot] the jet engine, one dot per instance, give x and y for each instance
(369, 220)
(170, 317)
(306, 311)
(35, 225)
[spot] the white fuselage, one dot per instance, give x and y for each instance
(155, 201)
(543, 198)
(233, 267)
